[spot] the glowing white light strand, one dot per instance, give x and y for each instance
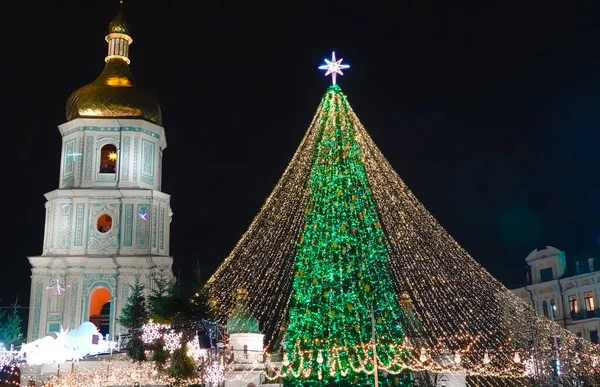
(454, 305)
(333, 67)
(115, 372)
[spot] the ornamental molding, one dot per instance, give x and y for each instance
(106, 140)
(84, 195)
(114, 125)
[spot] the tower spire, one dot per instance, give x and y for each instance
(118, 37)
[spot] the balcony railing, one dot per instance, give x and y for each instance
(585, 314)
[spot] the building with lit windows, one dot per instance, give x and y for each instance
(567, 295)
(108, 222)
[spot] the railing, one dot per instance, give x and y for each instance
(585, 314)
(100, 320)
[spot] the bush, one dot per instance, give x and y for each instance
(160, 355)
(136, 348)
(182, 366)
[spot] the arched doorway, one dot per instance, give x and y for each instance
(100, 310)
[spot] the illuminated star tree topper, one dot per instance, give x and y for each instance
(333, 67)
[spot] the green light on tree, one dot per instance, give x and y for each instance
(341, 270)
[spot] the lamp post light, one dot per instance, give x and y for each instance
(555, 360)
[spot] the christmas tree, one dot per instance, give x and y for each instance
(340, 234)
(341, 268)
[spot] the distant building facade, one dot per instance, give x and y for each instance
(570, 298)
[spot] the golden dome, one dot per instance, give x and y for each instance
(113, 94)
(119, 25)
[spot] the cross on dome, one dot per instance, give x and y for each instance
(333, 67)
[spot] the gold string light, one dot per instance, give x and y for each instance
(457, 316)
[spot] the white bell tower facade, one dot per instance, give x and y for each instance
(108, 222)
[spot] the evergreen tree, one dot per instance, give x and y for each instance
(163, 297)
(133, 316)
(160, 355)
(135, 348)
(11, 325)
(182, 366)
(340, 269)
(135, 313)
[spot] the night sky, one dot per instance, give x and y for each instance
(489, 112)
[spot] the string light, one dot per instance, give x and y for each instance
(517, 358)
(457, 358)
(343, 296)
(449, 303)
(7, 357)
(119, 371)
(10, 375)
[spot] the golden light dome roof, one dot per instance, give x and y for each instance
(113, 94)
(118, 24)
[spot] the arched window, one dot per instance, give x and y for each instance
(545, 308)
(245, 351)
(108, 159)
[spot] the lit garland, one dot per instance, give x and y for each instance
(450, 304)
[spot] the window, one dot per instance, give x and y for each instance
(546, 275)
(573, 306)
(545, 308)
(589, 301)
(55, 327)
(594, 336)
(108, 159)
(104, 223)
(553, 306)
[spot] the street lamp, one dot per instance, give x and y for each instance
(555, 360)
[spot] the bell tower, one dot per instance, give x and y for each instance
(108, 222)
